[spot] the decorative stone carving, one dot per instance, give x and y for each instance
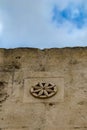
(43, 90)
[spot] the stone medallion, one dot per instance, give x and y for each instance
(43, 90)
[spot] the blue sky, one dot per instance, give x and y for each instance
(43, 23)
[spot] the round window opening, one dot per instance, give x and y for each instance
(43, 90)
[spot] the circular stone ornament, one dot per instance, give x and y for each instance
(43, 90)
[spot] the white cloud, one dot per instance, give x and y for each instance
(28, 23)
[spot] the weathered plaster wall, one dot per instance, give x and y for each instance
(21, 68)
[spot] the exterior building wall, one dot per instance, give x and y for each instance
(22, 68)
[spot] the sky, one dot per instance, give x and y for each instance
(43, 23)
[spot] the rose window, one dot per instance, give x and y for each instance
(43, 90)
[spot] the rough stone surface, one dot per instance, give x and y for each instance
(24, 67)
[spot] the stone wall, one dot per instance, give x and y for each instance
(22, 68)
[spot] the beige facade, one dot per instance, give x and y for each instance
(62, 72)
